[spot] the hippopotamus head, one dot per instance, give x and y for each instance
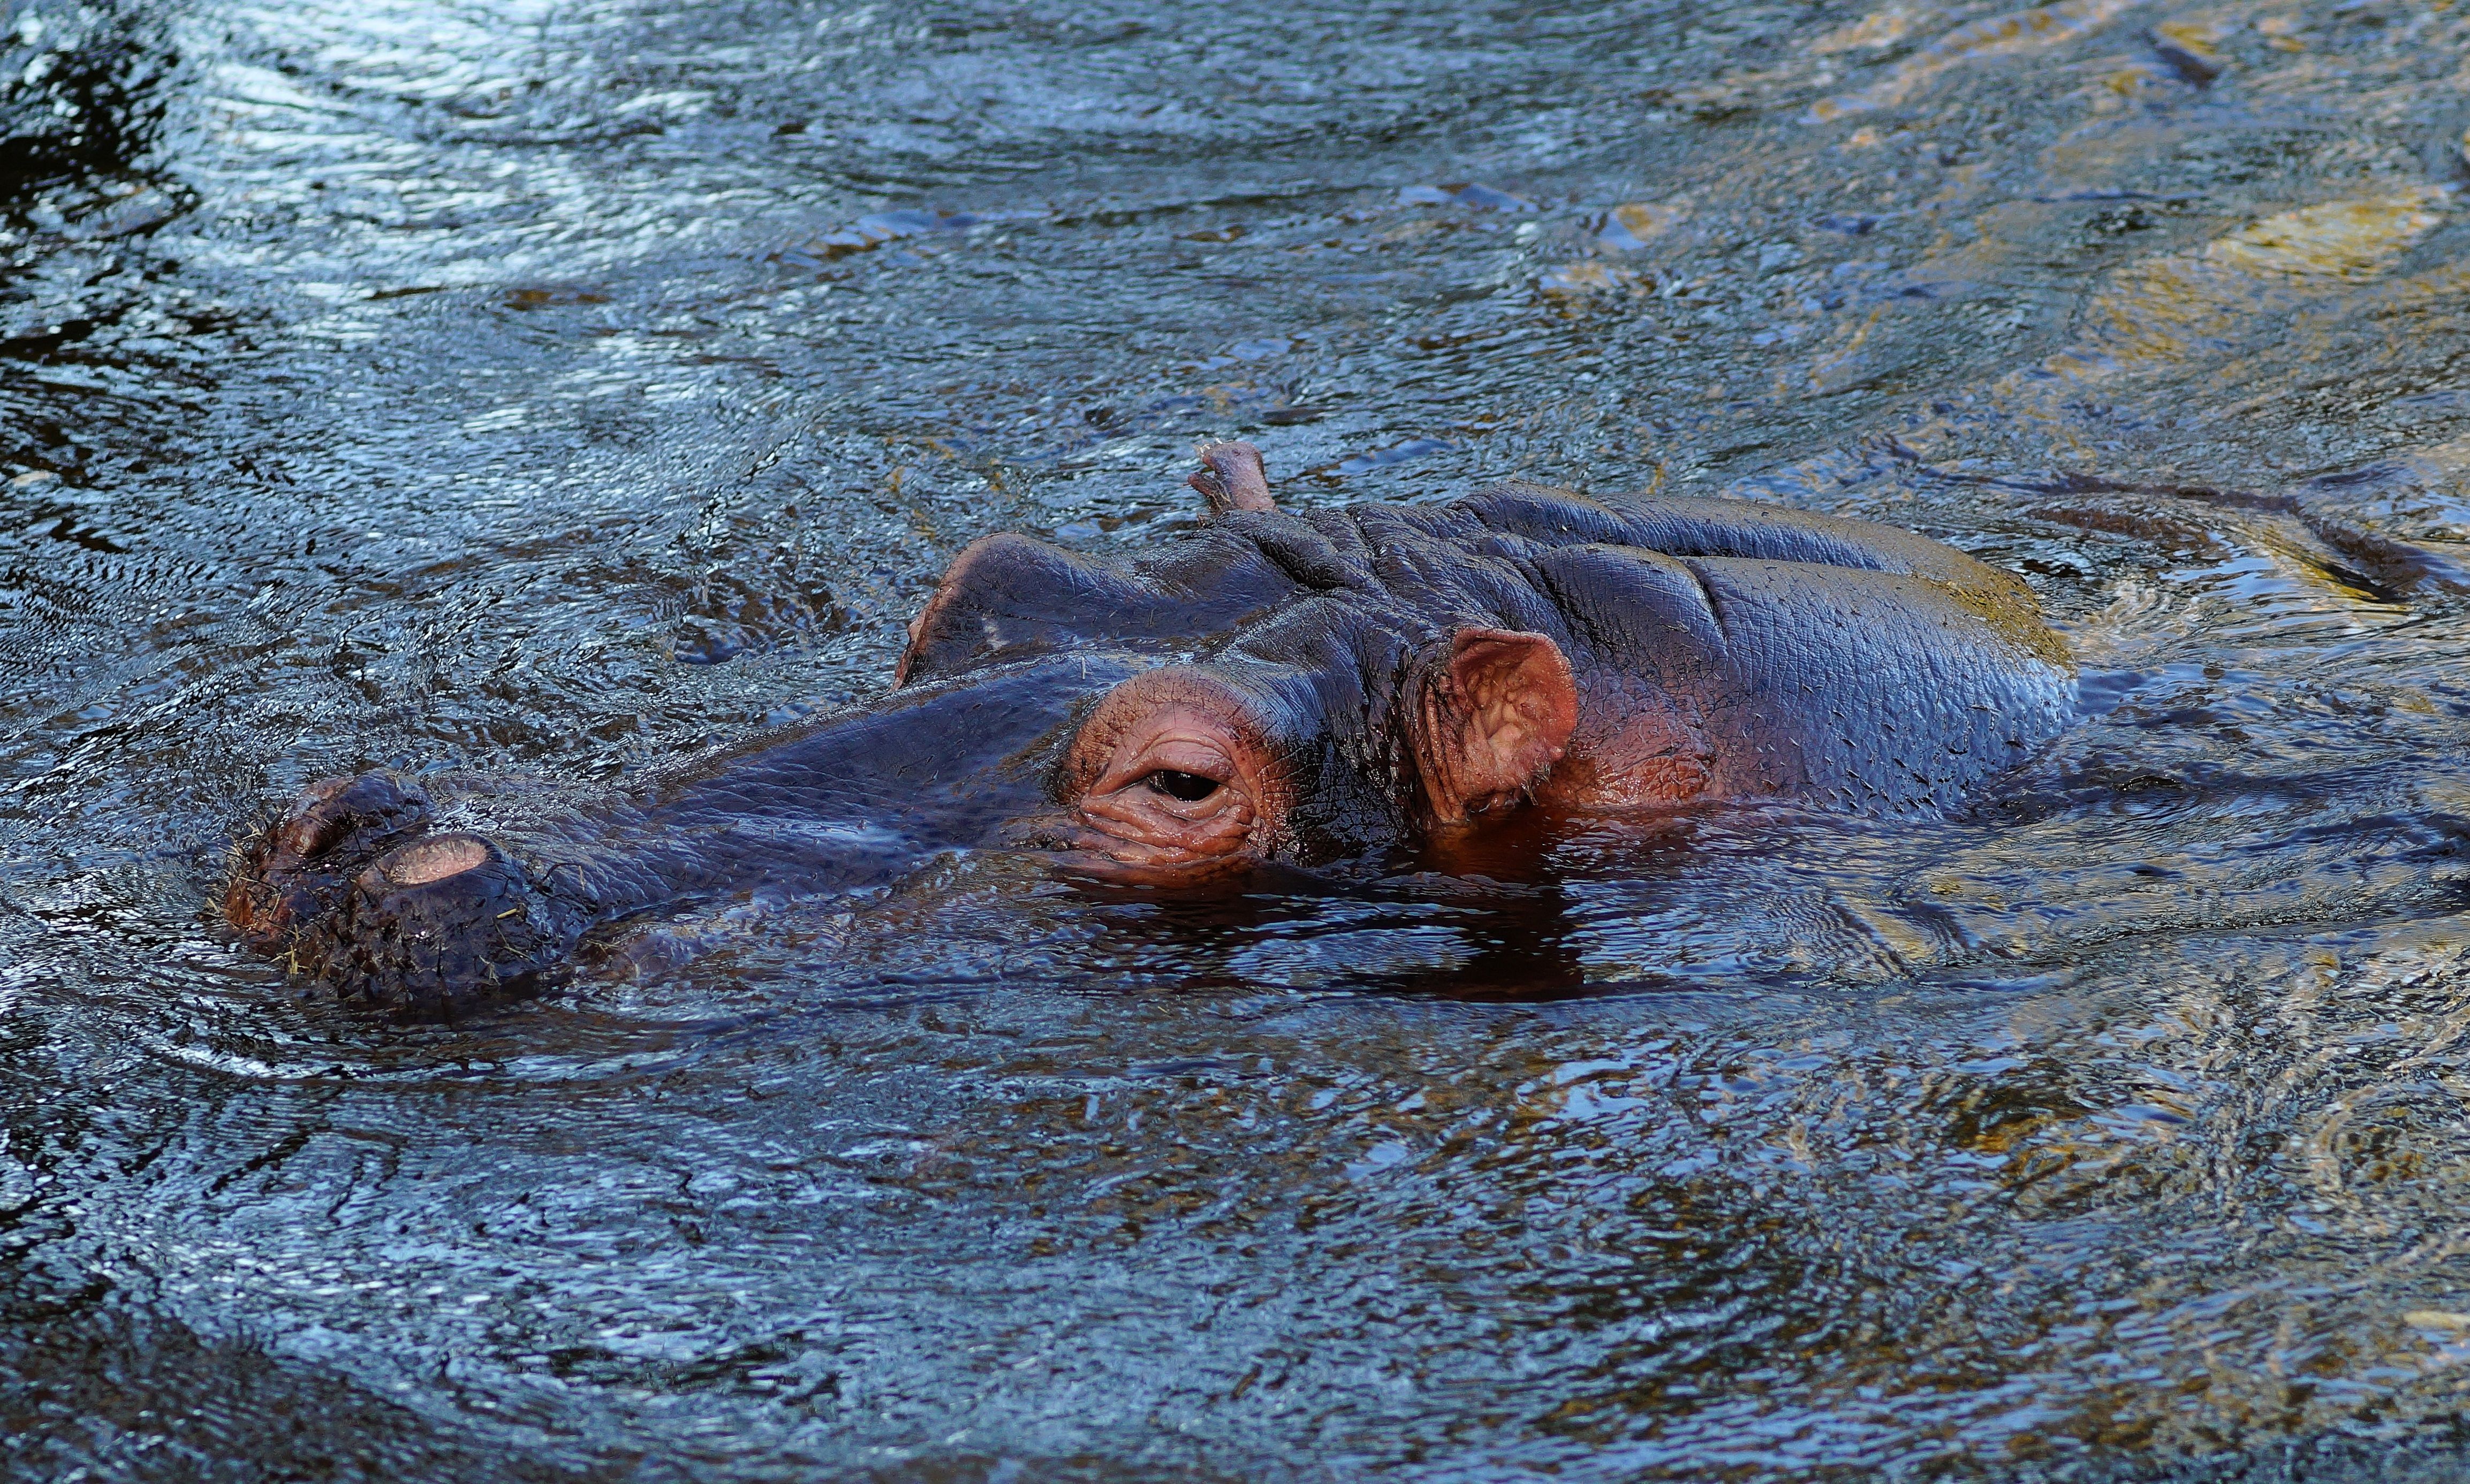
(1270, 687)
(1314, 685)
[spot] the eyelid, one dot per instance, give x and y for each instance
(1175, 754)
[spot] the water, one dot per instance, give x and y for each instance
(553, 389)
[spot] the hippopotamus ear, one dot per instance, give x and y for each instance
(1494, 718)
(1234, 478)
(1008, 596)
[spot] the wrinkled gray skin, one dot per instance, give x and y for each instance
(1302, 688)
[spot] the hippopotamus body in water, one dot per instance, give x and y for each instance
(1304, 688)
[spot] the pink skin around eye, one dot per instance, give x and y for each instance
(1143, 829)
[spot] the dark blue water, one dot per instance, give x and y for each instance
(549, 390)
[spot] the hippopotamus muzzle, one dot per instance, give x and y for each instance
(359, 883)
(1270, 689)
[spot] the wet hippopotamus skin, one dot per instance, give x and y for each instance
(1302, 688)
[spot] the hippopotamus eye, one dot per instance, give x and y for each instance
(1190, 787)
(1171, 779)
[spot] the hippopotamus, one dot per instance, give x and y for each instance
(1271, 689)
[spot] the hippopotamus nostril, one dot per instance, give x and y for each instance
(368, 809)
(435, 859)
(434, 920)
(295, 873)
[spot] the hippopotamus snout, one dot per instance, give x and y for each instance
(351, 886)
(359, 883)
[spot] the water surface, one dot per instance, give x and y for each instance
(553, 389)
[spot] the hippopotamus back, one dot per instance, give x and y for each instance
(1854, 665)
(1719, 648)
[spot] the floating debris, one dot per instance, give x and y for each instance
(1633, 224)
(877, 228)
(2188, 47)
(1482, 198)
(1997, 35)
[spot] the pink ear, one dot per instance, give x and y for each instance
(1494, 721)
(1235, 478)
